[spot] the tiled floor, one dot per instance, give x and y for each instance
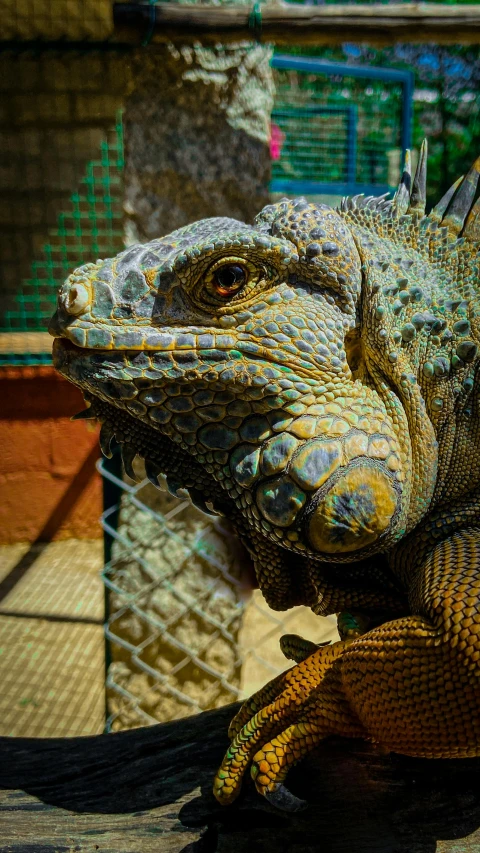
(51, 639)
(54, 579)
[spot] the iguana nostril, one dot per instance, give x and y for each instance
(76, 299)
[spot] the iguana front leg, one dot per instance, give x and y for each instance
(412, 684)
(300, 680)
(316, 658)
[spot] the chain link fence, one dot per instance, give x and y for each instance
(185, 631)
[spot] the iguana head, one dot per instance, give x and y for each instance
(244, 347)
(232, 340)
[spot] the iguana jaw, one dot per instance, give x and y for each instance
(325, 479)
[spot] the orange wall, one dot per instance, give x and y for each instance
(49, 487)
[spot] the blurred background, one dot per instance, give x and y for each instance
(121, 605)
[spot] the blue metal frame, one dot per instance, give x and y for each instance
(342, 69)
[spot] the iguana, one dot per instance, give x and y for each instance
(314, 377)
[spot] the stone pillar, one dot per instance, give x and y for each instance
(197, 126)
(196, 136)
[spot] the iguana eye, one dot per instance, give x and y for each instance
(229, 279)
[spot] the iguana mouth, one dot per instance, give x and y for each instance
(166, 464)
(354, 497)
(236, 350)
(168, 468)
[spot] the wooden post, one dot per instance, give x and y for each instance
(285, 23)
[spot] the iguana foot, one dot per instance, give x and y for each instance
(281, 723)
(315, 659)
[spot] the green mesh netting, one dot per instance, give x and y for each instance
(90, 228)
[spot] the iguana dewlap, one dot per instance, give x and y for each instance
(313, 377)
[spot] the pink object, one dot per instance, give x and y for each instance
(277, 138)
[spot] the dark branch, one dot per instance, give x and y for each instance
(150, 790)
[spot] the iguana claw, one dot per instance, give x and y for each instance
(277, 726)
(283, 799)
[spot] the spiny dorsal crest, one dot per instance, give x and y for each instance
(456, 213)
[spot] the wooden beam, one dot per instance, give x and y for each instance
(150, 789)
(284, 24)
(24, 342)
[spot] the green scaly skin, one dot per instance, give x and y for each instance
(313, 378)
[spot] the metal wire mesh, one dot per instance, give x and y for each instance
(55, 20)
(90, 227)
(184, 632)
(314, 142)
(334, 133)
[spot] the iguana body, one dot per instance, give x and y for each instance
(314, 378)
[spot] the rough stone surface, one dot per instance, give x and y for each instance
(196, 136)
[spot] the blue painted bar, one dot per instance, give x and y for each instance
(323, 66)
(293, 188)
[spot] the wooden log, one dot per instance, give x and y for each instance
(150, 790)
(282, 24)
